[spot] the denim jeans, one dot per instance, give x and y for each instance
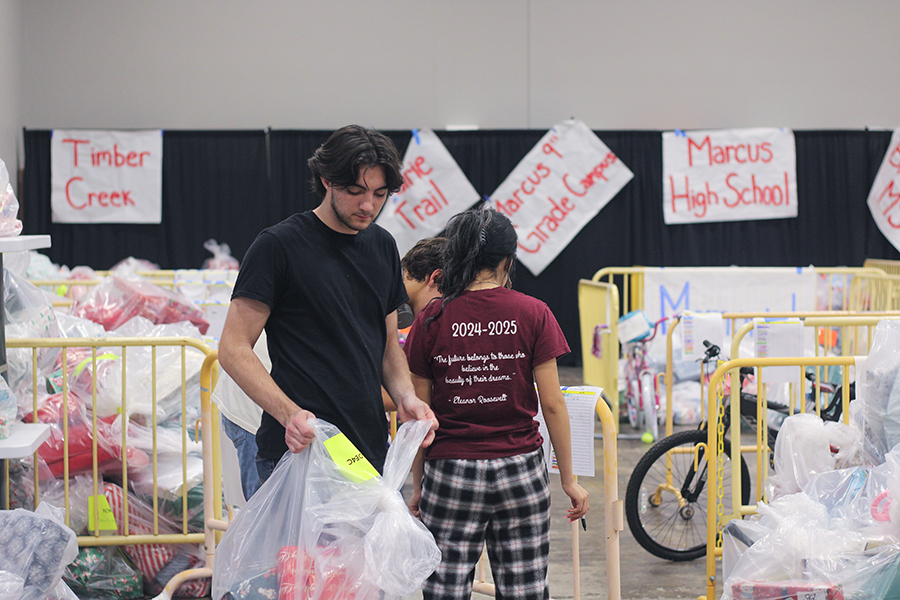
(245, 444)
(264, 468)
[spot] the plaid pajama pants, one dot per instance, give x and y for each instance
(504, 502)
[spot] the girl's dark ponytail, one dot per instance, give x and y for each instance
(477, 239)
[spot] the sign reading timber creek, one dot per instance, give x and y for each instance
(729, 175)
(560, 185)
(434, 189)
(106, 176)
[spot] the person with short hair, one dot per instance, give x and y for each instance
(325, 285)
(421, 273)
(422, 268)
(476, 356)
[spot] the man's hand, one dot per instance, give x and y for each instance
(413, 409)
(298, 434)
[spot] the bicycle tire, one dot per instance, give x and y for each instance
(632, 401)
(666, 530)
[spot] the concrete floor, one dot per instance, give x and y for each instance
(643, 576)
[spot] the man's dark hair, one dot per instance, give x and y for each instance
(424, 258)
(351, 147)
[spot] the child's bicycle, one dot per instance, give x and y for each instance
(641, 390)
(666, 496)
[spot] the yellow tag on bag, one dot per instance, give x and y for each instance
(107, 519)
(349, 460)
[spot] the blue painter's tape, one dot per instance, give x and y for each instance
(415, 133)
(680, 133)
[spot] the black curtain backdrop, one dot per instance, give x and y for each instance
(229, 185)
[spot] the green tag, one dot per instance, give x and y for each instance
(349, 460)
(107, 519)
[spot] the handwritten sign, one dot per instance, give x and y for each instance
(434, 189)
(106, 176)
(560, 185)
(729, 175)
(673, 290)
(670, 291)
(884, 197)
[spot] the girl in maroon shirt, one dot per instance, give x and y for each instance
(475, 356)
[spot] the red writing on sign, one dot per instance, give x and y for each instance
(417, 169)
(699, 201)
(721, 155)
(893, 197)
(894, 157)
(116, 198)
(588, 181)
(431, 205)
(107, 158)
(552, 221)
(509, 206)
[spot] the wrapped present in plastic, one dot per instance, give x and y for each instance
(76, 439)
(786, 590)
(104, 572)
(141, 379)
(115, 300)
(158, 563)
(330, 526)
(834, 538)
(35, 547)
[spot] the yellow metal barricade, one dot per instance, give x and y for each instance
(598, 312)
(97, 351)
(855, 338)
(615, 291)
(891, 267)
(838, 281)
(717, 514)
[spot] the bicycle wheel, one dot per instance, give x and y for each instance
(632, 400)
(669, 519)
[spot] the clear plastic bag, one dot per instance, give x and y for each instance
(116, 299)
(325, 531)
(879, 392)
(104, 572)
(9, 408)
(222, 258)
(29, 314)
(9, 206)
(36, 547)
(802, 449)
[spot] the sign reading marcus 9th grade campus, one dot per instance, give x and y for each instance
(560, 185)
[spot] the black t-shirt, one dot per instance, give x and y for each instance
(329, 294)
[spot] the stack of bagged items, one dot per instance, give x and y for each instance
(831, 527)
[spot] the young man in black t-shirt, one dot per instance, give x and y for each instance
(326, 284)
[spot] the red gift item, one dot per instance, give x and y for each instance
(786, 590)
(297, 576)
(81, 439)
(116, 300)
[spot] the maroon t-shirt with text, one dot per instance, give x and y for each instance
(480, 355)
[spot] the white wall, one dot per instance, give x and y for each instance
(309, 64)
(10, 82)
